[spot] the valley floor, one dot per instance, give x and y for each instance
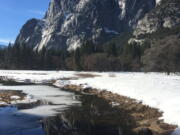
(157, 90)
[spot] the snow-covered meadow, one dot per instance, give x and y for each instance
(154, 89)
(157, 90)
(34, 76)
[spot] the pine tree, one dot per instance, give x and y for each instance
(77, 59)
(111, 49)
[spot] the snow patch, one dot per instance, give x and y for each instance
(107, 30)
(68, 22)
(61, 83)
(81, 5)
(36, 77)
(44, 111)
(158, 2)
(27, 39)
(3, 103)
(28, 99)
(122, 5)
(114, 104)
(15, 97)
(46, 36)
(73, 43)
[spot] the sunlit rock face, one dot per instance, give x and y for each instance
(165, 15)
(68, 23)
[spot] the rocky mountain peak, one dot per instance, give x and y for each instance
(68, 23)
(54, 9)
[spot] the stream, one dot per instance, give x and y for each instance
(63, 113)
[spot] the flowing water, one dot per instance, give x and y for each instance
(63, 113)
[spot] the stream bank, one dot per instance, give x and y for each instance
(146, 119)
(63, 113)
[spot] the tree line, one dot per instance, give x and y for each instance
(158, 53)
(89, 56)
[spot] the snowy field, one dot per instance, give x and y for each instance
(154, 89)
(34, 76)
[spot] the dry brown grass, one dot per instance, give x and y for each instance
(86, 75)
(5, 95)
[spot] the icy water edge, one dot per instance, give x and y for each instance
(68, 114)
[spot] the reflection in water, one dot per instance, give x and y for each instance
(94, 117)
(25, 119)
(13, 122)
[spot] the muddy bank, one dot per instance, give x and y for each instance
(147, 119)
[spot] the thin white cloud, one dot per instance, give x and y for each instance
(37, 12)
(6, 41)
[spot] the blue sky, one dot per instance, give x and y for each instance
(14, 13)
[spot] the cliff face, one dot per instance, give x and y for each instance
(68, 23)
(165, 15)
